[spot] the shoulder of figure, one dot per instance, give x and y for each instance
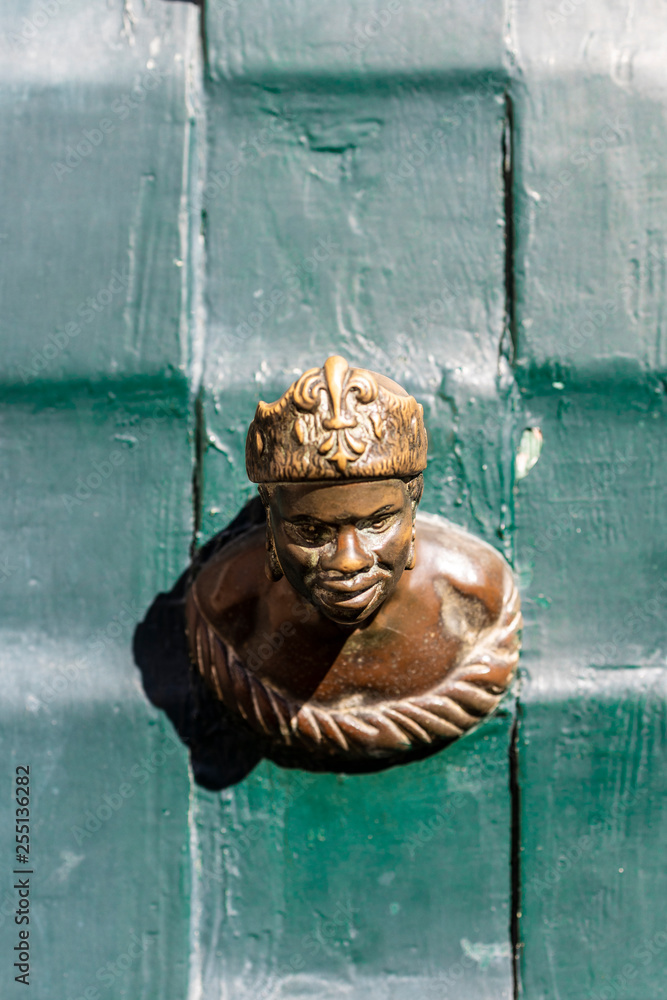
(449, 553)
(234, 575)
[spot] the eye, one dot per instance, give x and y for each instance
(380, 523)
(308, 532)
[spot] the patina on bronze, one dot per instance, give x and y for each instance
(351, 628)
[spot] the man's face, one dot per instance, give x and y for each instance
(343, 546)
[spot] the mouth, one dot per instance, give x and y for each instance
(354, 586)
(349, 593)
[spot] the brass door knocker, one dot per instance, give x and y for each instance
(351, 630)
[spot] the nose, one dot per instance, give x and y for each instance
(348, 554)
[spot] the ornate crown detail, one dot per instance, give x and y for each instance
(337, 422)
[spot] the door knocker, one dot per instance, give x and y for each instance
(350, 631)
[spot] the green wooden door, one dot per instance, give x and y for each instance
(197, 205)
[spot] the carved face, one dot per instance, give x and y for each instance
(343, 546)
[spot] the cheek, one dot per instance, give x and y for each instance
(302, 560)
(394, 547)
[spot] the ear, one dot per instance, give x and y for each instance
(415, 489)
(272, 567)
(412, 555)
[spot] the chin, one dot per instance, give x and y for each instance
(348, 616)
(345, 617)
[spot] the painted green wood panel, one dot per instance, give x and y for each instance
(78, 577)
(96, 456)
(355, 204)
(591, 553)
(592, 524)
(590, 282)
(97, 126)
(290, 40)
(591, 214)
(595, 822)
(382, 886)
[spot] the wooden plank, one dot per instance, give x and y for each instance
(355, 40)
(98, 133)
(359, 886)
(96, 121)
(96, 517)
(590, 278)
(594, 825)
(591, 212)
(354, 205)
(590, 520)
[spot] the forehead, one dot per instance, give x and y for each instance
(339, 501)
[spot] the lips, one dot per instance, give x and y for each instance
(349, 594)
(353, 586)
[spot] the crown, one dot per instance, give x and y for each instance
(337, 422)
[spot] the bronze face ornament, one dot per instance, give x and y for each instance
(351, 632)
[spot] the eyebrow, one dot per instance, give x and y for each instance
(388, 508)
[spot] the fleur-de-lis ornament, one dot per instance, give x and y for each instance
(337, 422)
